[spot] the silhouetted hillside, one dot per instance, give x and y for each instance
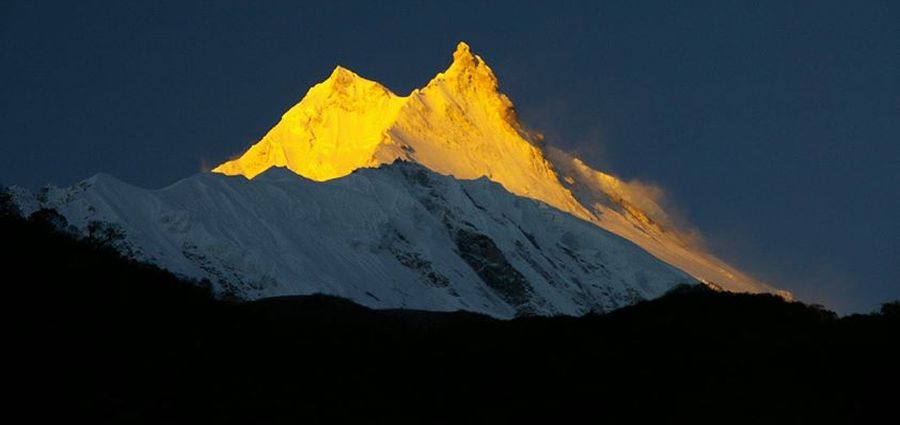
(101, 338)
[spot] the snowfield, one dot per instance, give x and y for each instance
(398, 236)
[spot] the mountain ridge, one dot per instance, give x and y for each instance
(460, 124)
(396, 236)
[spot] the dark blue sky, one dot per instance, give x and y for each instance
(775, 128)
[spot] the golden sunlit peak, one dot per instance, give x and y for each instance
(462, 52)
(342, 75)
(465, 60)
(468, 72)
(340, 70)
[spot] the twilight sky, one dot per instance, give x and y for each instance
(774, 128)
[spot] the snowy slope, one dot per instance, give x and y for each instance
(461, 125)
(398, 236)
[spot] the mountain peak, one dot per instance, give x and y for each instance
(463, 53)
(465, 63)
(341, 71)
(342, 76)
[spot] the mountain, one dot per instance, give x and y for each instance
(440, 200)
(399, 236)
(461, 125)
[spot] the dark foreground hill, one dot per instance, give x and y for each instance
(97, 337)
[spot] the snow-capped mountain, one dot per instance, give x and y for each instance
(461, 125)
(399, 236)
(439, 200)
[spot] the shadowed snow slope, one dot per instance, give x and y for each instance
(461, 125)
(397, 236)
